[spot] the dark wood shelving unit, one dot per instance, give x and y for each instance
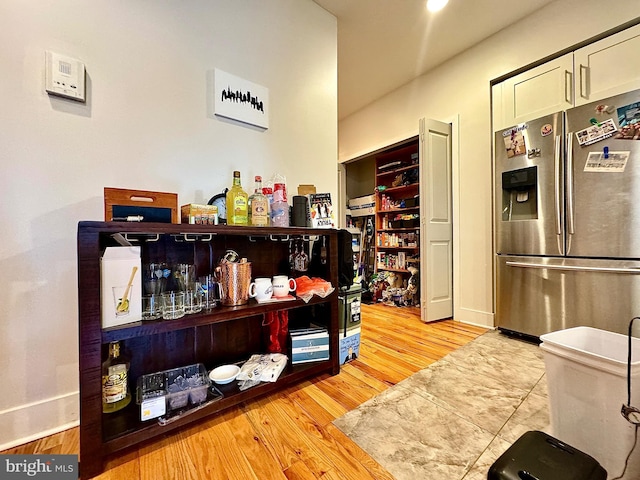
(222, 335)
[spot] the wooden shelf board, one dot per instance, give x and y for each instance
(217, 315)
(400, 188)
(124, 429)
(396, 170)
(399, 270)
(401, 229)
(398, 210)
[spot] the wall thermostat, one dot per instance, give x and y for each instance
(64, 76)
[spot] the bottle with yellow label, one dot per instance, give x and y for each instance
(237, 203)
(115, 380)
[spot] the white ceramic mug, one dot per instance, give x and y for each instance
(282, 285)
(261, 289)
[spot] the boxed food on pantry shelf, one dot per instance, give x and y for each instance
(410, 202)
(411, 222)
(161, 392)
(196, 214)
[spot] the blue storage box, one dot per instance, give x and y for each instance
(309, 345)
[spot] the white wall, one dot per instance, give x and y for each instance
(461, 88)
(146, 125)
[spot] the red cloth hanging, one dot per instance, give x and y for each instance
(277, 324)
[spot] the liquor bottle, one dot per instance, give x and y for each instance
(237, 201)
(115, 376)
(258, 206)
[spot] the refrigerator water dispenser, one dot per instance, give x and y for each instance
(519, 194)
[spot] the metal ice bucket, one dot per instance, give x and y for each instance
(234, 279)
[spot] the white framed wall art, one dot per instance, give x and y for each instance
(241, 100)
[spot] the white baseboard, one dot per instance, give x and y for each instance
(474, 317)
(33, 421)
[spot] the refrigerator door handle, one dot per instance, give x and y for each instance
(571, 227)
(573, 268)
(558, 192)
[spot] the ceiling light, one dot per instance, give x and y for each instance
(435, 5)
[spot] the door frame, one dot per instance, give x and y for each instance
(454, 121)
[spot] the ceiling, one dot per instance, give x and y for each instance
(384, 44)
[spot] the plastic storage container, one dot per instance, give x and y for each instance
(587, 378)
(350, 315)
(349, 301)
(179, 387)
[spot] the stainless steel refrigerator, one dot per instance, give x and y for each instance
(567, 217)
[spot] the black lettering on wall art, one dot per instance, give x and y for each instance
(239, 96)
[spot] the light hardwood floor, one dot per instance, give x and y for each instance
(290, 435)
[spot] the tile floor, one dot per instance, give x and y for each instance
(452, 420)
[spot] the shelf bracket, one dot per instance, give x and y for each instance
(283, 238)
(138, 237)
(203, 237)
(254, 238)
(193, 237)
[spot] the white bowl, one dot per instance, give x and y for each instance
(224, 374)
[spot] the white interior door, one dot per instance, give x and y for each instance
(436, 224)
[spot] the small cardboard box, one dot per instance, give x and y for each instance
(362, 206)
(349, 345)
(306, 189)
(116, 271)
(196, 214)
(309, 347)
